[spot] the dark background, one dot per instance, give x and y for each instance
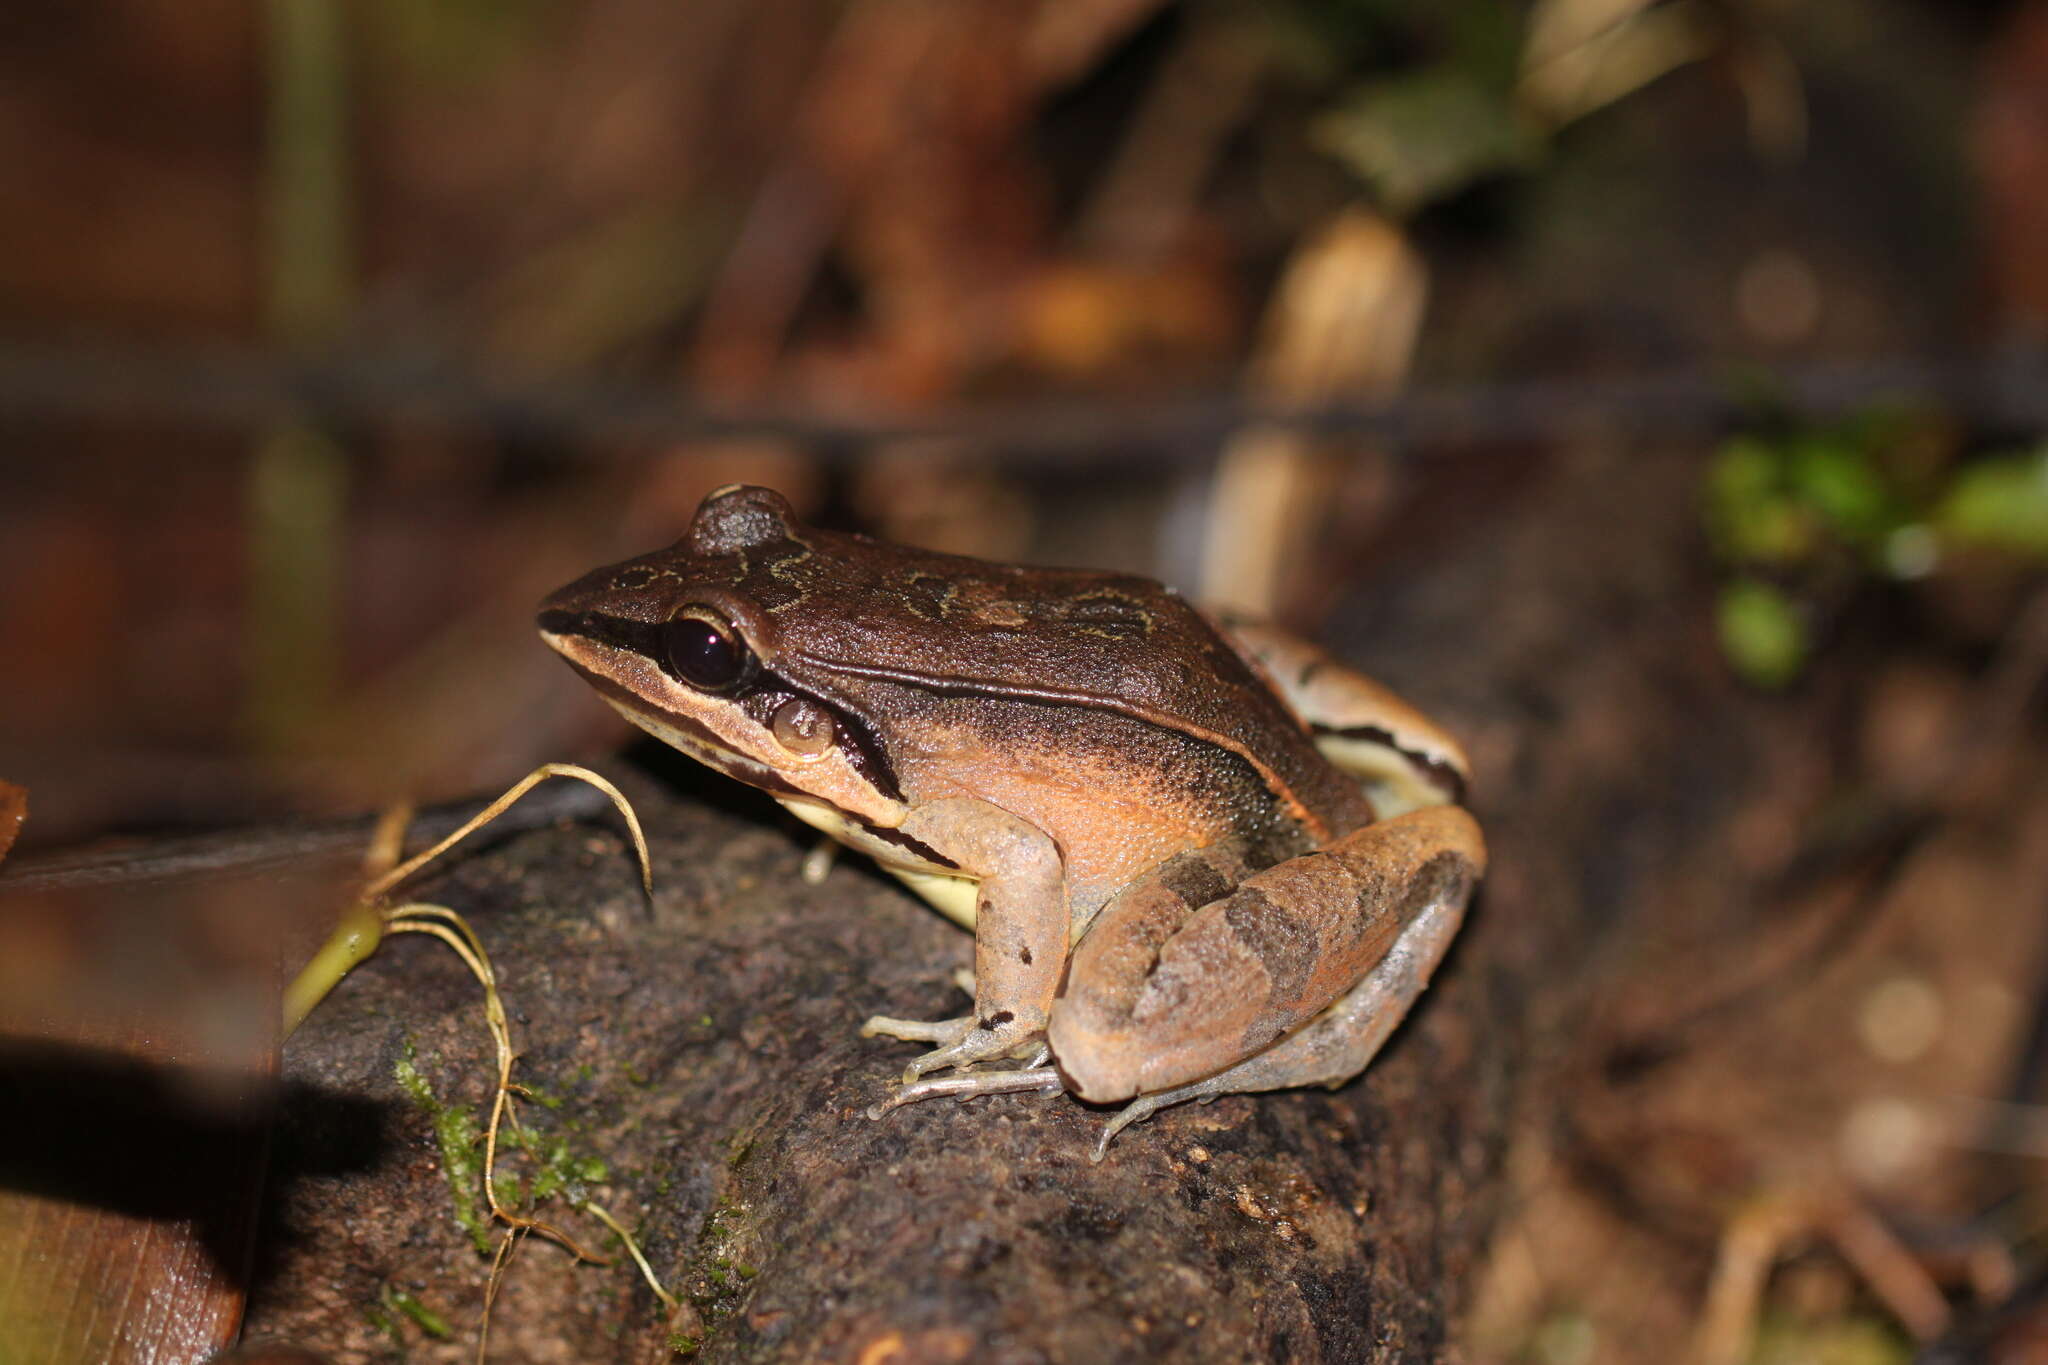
(1461, 335)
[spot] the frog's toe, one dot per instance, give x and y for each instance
(970, 1084)
(1137, 1111)
(980, 1042)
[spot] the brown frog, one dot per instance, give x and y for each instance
(1198, 856)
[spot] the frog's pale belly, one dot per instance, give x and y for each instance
(950, 893)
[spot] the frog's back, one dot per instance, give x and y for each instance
(849, 606)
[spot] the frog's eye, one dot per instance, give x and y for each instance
(706, 652)
(803, 727)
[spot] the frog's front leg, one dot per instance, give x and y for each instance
(1241, 976)
(1020, 932)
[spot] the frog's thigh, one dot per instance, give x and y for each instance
(1245, 971)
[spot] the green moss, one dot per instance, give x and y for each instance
(460, 1140)
(740, 1146)
(385, 1323)
(562, 1172)
(547, 1099)
(717, 1284)
(430, 1322)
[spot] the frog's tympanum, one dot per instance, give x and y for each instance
(1198, 856)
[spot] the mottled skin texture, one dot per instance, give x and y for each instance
(1054, 742)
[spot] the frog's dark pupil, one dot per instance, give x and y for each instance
(703, 654)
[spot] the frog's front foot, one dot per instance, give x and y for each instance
(962, 1042)
(944, 1032)
(941, 1031)
(996, 1038)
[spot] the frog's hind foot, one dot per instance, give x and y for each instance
(1040, 1078)
(1137, 1111)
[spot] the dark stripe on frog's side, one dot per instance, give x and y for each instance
(1438, 771)
(613, 632)
(1068, 637)
(952, 686)
(851, 733)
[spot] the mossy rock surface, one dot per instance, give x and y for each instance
(703, 1056)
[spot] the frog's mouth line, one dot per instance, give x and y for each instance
(690, 736)
(682, 732)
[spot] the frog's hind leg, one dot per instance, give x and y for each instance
(1338, 1043)
(1162, 1008)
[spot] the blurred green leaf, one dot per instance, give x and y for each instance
(2001, 503)
(1762, 633)
(1777, 502)
(1419, 137)
(1752, 518)
(1839, 477)
(1582, 56)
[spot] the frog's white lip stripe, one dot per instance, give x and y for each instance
(733, 765)
(681, 732)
